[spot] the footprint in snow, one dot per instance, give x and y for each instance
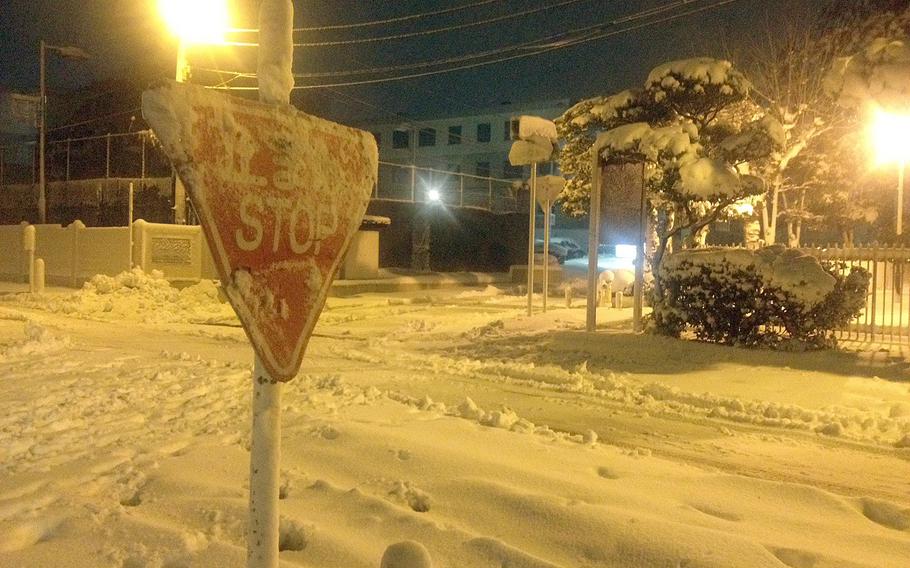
(886, 514)
(607, 473)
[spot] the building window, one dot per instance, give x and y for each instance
(510, 129)
(483, 132)
(401, 139)
(378, 138)
(512, 172)
(454, 135)
(482, 169)
(426, 137)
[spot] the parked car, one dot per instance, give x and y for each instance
(561, 249)
(558, 252)
(573, 249)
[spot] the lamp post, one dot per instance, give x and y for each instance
(889, 137)
(193, 22)
(67, 52)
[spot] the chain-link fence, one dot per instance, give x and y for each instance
(407, 183)
(124, 155)
(134, 156)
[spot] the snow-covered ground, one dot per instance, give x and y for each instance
(448, 418)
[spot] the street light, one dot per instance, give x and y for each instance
(67, 52)
(890, 134)
(193, 22)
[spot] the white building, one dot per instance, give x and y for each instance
(476, 144)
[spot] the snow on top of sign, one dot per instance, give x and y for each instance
(376, 220)
(535, 150)
(276, 51)
(702, 70)
(529, 126)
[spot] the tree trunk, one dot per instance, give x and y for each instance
(769, 218)
(698, 238)
(752, 233)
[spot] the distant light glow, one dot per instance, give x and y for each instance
(196, 21)
(625, 251)
(891, 137)
(434, 195)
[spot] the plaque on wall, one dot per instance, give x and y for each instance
(171, 250)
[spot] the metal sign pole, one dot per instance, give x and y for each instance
(275, 80)
(129, 225)
(593, 240)
(532, 210)
(546, 255)
(265, 467)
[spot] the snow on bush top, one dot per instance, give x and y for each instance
(602, 108)
(699, 176)
(679, 75)
(789, 270)
(642, 138)
(880, 73)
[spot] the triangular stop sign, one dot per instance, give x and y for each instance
(280, 195)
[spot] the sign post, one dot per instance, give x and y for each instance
(280, 195)
(532, 240)
(593, 240)
(550, 188)
(536, 143)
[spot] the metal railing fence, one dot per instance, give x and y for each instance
(135, 155)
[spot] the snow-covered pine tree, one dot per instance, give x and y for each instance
(693, 125)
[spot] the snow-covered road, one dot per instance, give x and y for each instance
(448, 418)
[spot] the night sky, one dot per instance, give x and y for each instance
(127, 40)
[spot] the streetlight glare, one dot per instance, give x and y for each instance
(889, 137)
(196, 21)
(433, 195)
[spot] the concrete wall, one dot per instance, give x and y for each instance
(75, 253)
(362, 260)
(12, 257)
(467, 240)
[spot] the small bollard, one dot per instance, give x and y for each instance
(617, 300)
(568, 292)
(38, 284)
(28, 245)
(606, 295)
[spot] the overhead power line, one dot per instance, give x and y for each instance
(537, 42)
(532, 48)
(552, 47)
(433, 31)
(395, 20)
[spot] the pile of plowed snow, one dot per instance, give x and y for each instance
(136, 295)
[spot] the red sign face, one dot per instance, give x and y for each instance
(280, 195)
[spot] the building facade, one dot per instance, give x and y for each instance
(476, 145)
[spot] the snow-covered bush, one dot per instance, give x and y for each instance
(757, 297)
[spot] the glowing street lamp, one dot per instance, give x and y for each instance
(891, 139)
(193, 22)
(434, 196)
